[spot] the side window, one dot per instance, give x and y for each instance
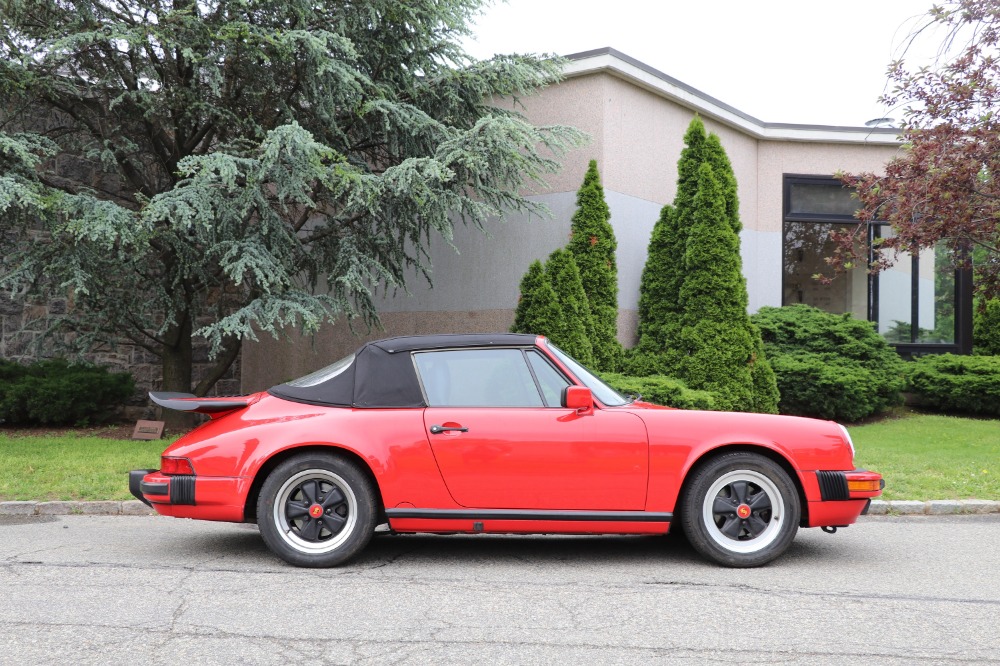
(549, 379)
(477, 378)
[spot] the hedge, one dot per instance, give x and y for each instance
(56, 392)
(946, 382)
(660, 390)
(828, 365)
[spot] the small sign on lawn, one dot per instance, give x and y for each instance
(148, 430)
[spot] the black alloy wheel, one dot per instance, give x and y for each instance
(740, 509)
(317, 510)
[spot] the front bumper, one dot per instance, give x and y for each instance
(838, 498)
(856, 484)
(188, 495)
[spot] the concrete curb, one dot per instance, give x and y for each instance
(932, 507)
(112, 508)
(137, 508)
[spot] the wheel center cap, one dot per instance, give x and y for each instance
(743, 511)
(315, 511)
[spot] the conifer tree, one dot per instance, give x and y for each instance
(715, 336)
(663, 274)
(765, 386)
(577, 329)
(693, 321)
(538, 307)
(593, 244)
(715, 155)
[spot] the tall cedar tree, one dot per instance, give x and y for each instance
(945, 186)
(576, 328)
(663, 274)
(716, 343)
(716, 156)
(260, 164)
(678, 289)
(538, 307)
(765, 385)
(593, 244)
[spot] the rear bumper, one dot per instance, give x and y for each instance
(189, 496)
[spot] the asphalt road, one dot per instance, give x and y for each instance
(152, 590)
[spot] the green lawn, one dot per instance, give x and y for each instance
(928, 456)
(921, 456)
(72, 468)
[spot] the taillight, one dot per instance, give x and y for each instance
(175, 466)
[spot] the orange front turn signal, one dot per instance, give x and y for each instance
(863, 486)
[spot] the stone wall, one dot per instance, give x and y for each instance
(22, 325)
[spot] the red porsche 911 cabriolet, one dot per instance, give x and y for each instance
(498, 433)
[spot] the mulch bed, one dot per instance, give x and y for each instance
(109, 431)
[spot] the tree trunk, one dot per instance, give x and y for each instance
(176, 363)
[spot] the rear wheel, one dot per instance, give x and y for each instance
(317, 510)
(740, 510)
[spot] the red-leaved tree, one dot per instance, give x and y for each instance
(945, 184)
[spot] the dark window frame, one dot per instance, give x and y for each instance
(963, 276)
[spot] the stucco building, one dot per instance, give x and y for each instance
(636, 117)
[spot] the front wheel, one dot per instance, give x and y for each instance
(317, 510)
(740, 510)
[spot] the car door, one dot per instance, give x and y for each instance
(502, 440)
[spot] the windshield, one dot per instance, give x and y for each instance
(323, 374)
(602, 391)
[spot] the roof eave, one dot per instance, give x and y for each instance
(613, 62)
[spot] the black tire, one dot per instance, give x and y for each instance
(740, 510)
(317, 510)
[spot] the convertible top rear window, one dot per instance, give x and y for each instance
(323, 374)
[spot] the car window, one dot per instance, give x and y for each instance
(549, 379)
(602, 391)
(477, 378)
(323, 374)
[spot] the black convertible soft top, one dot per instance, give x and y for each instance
(381, 373)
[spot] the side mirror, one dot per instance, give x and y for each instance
(579, 398)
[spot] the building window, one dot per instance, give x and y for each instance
(920, 304)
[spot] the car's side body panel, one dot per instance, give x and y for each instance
(678, 439)
(390, 441)
(541, 458)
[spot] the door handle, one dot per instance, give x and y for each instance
(438, 429)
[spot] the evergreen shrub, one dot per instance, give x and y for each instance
(986, 328)
(576, 329)
(947, 382)
(693, 321)
(56, 392)
(593, 244)
(827, 365)
(537, 309)
(661, 390)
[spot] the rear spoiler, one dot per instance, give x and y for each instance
(188, 402)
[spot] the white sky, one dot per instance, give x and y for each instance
(792, 61)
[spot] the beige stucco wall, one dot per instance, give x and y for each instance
(777, 158)
(574, 102)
